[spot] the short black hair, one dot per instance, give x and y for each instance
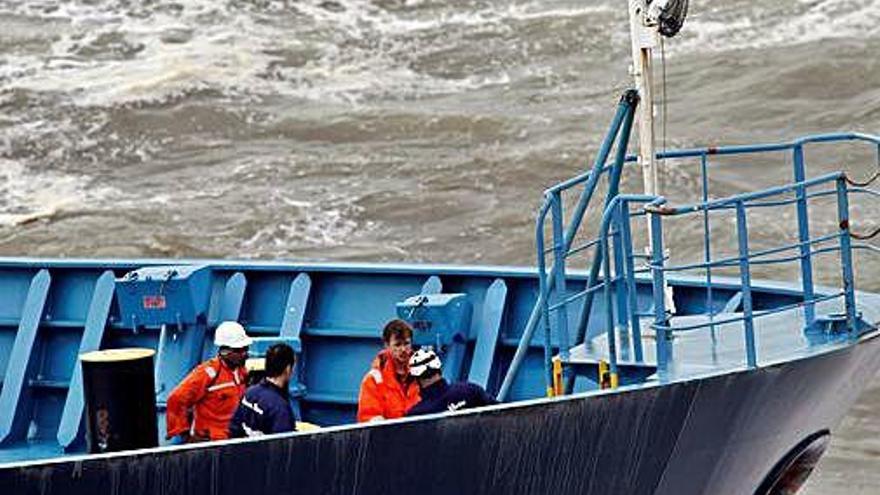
(396, 328)
(278, 358)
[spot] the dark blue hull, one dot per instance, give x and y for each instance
(718, 435)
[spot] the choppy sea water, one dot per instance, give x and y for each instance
(403, 130)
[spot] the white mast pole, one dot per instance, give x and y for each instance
(644, 39)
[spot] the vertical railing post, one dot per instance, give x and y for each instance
(804, 235)
(707, 239)
(609, 308)
(661, 323)
(632, 299)
(559, 254)
(542, 316)
(620, 282)
(742, 233)
(849, 296)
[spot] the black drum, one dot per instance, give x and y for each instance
(120, 399)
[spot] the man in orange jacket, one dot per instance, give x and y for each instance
(201, 406)
(387, 390)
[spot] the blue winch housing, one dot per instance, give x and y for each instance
(164, 295)
(437, 319)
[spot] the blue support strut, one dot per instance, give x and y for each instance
(804, 235)
(846, 256)
(661, 324)
(742, 233)
(622, 123)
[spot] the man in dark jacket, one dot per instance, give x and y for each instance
(437, 395)
(265, 407)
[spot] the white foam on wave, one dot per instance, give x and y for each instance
(717, 27)
(354, 51)
(323, 224)
(163, 63)
(29, 196)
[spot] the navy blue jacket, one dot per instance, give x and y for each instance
(441, 396)
(264, 409)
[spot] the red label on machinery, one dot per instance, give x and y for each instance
(154, 302)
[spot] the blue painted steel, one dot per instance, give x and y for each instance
(544, 308)
(631, 290)
(441, 321)
(661, 332)
(763, 148)
(438, 320)
(148, 296)
(846, 256)
(487, 334)
(559, 248)
(233, 297)
(15, 397)
(742, 232)
(295, 309)
(433, 285)
(707, 239)
(609, 307)
(70, 429)
(804, 235)
(613, 185)
(619, 269)
(620, 124)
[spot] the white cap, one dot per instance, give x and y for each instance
(423, 360)
(231, 334)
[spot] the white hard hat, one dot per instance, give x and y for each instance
(231, 334)
(423, 360)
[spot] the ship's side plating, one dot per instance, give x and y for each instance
(718, 434)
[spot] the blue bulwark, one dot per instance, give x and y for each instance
(487, 333)
(14, 397)
(70, 428)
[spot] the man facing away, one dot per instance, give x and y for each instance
(265, 407)
(437, 395)
(387, 390)
(200, 407)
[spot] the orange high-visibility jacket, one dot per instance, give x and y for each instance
(212, 392)
(382, 395)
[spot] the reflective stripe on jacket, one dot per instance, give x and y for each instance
(382, 396)
(205, 400)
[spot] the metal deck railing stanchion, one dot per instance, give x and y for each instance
(742, 234)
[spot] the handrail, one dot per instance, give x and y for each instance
(619, 129)
(762, 148)
(552, 293)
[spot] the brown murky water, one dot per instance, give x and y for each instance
(400, 130)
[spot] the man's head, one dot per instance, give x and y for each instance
(425, 366)
(397, 336)
(233, 342)
(279, 364)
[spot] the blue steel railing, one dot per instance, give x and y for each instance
(620, 129)
(614, 247)
(799, 174)
(746, 258)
